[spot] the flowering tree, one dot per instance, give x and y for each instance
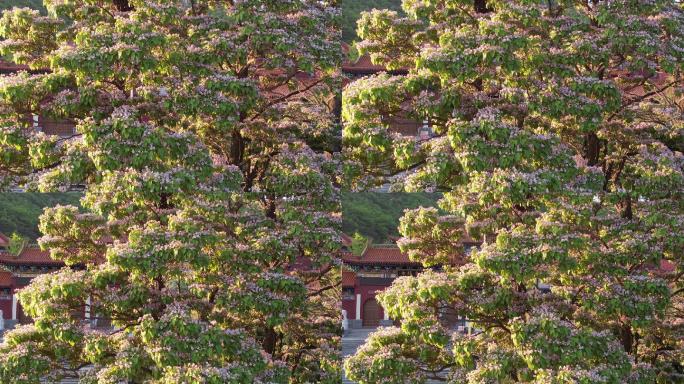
(209, 222)
(558, 139)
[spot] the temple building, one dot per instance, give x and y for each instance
(16, 272)
(371, 272)
(366, 275)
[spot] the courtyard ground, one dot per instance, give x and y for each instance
(351, 341)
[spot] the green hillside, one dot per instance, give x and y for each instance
(35, 4)
(352, 8)
(376, 215)
(19, 212)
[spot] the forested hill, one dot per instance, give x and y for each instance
(376, 215)
(35, 4)
(352, 8)
(19, 212)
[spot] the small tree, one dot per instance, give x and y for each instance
(558, 139)
(17, 243)
(359, 244)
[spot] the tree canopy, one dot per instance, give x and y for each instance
(558, 144)
(208, 230)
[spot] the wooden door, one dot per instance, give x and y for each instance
(371, 313)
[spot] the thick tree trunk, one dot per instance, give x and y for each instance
(237, 148)
(269, 342)
(122, 5)
(481, 6)
(627, 338)
(164, 202)
(592, 149)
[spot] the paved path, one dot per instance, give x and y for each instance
(351, 341)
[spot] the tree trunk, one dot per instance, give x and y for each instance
(592, 148)
(237, 148)
(481, 6)
(627, 338)
(625, 208)
(122, 5)
(269, 342)
(164, 202)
